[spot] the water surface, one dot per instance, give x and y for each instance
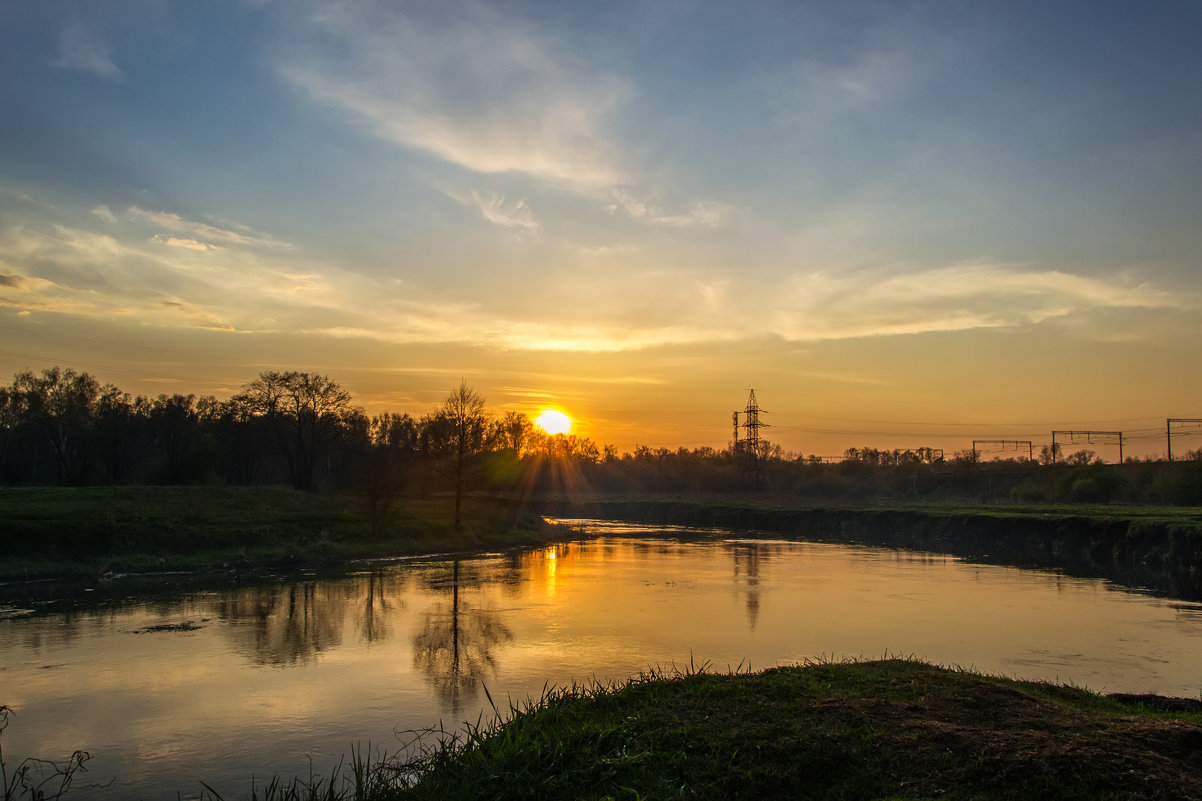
(221, 683)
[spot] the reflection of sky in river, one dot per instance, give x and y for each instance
(266, 674)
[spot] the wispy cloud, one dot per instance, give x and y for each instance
(170, 270)
(181, 242)
(201, 232)
(704, 213)
(123, 272)
(487, 93)
(609, 315)
(509, 215)
(82, 49)
(824, 306)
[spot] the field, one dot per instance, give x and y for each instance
(85, 532)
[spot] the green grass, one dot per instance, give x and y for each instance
(1188, 516)
(85, 532)
(892, 729)
(887, 729)
(65, 532)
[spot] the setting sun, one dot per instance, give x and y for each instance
(554, 422)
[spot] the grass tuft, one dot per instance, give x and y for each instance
(893, 728)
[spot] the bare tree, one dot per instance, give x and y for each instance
(303, 410)
(464, 423)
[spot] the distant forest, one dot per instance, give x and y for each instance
(64, 427)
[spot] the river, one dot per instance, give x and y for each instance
(171, 681)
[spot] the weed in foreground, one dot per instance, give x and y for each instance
(372, 776)
(38, 779)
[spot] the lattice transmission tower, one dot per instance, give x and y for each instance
(750, 463)
(752, 424)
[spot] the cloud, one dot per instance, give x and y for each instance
(95, 246)
(487, 93)
(199, 232)
(81, 49)
(104, 213)
(820, 306)
(481, 329)
(623, 250)
(23, 283)
(78, 271)
(630, 309)
(703, 214)
(193, 273)
(495, 210)
(713, 293)
(181, 242)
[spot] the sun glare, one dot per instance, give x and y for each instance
(554, 422)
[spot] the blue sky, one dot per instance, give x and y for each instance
(903, 223)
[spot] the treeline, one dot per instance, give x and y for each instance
(63, 427)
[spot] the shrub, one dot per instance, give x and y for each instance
(1028, 492)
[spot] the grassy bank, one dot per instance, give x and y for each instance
(890, 729)
(64, 532)
(89, 531)
(1158, 548)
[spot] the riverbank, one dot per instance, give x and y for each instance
(883, 729)
(86, 532)
(1154, 548)
(96, 531)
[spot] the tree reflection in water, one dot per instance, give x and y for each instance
(283, 625)
(374, 622)
(455, 644)
(288, 624)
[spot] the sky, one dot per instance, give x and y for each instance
(902, 224)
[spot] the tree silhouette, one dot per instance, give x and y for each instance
(514, 431)
(176, 425)
(303, 411)
(118, 434)
(62, 404)
(392, 446)
(464, 424)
